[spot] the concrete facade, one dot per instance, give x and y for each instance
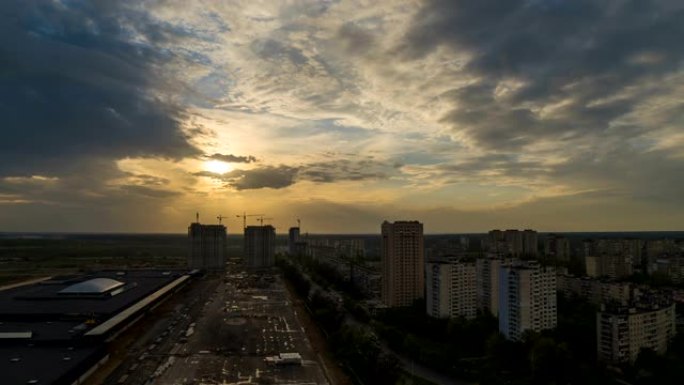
(622, 332)
(403, 263)
(260, 246)
(527, 298)
(207, 246)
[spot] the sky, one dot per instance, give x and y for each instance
(468, 115)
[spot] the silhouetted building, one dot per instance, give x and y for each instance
(557, 247)
(207, 246)
(292, 239)
(513, 242)
(259, 246)
(527, 298)
(594, 290)
(403, 263)
(57, 330)
(613, 266)
(614, 258)
(670, 267)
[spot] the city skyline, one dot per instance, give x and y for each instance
(467, 116)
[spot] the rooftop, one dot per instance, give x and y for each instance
(92, 286)
(79, 297)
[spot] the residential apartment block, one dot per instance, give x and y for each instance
(527, 298)
(487, 271)
(621, 332)
(403, 263)
(513, 243)
(595, 291)
(451, 288)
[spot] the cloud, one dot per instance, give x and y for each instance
(149, 192)
(274, 177)
(564, 93)
(232, 158)
(425, 108)
(588, 59)
(347, 170)
(80, 81)
(277, 177)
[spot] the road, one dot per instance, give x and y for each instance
(136, 354)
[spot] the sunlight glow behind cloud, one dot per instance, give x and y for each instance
(468, 115)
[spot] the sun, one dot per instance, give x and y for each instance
(217, 167)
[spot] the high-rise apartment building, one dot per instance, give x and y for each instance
(622, 332)
(451, 289)
(530, 242)
(463, 289)
(487, 270)
(613, 266)
(527, 298)
(292, 239)
(403, 263)
(513, 242)
(615, 257)
(595, 291)
(557, 247)
(207, 246)
(259, 246)
(438, 288)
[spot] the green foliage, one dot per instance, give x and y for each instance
(355, 347)
(359, 350)
(652, 368)
(301, 285)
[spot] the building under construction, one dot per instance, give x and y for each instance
(259, 246)
(207, 246)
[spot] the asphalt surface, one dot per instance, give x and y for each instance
(219, 332)
(138, 352)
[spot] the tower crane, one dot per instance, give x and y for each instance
(262, 219)
(244, 218)
(220, 218)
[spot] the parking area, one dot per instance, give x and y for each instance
(247, 318)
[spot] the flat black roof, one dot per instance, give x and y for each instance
(45, 331)
(47, 364)
(43, 300)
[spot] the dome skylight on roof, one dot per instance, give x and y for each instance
(92, 286)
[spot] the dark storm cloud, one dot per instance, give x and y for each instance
(580, 51)
(264, 177)
(282, 176)
(78, 83)
(232, 158)
(89, 185)
(355, 39)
